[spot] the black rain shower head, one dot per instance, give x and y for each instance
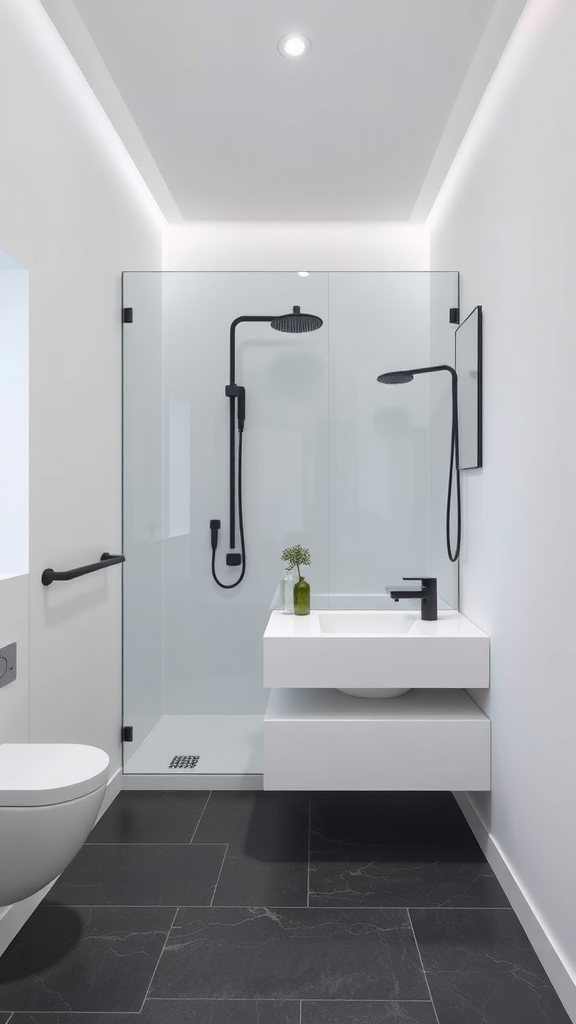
(396, 378)
(296, 322)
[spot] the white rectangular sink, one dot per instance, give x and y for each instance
(374, 650)
(368, 623)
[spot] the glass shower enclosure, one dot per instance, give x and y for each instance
(352, 470)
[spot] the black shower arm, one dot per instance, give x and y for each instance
(433, 369)
(233, 326)
(454, 375)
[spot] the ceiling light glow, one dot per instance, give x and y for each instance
(294, 45)
(303, 273)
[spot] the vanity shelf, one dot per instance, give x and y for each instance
(321, 739)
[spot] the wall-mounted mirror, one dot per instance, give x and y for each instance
(469, 370)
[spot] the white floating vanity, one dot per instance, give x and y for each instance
(432, 736)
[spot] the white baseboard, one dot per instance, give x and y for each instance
(550, 958)
(13, 918)
(193, 782)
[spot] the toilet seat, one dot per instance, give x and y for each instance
(38, 774)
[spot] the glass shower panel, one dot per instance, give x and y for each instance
(211, 681)
(379, 459)
(143, 482)
(443, 296)
(219, 632)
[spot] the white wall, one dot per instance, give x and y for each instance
(507, 219)
(304, 245)
(74, 212)
(13, 421)
(15, 696)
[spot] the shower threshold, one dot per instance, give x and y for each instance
(209, 745)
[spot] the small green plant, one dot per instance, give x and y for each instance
(295, 557)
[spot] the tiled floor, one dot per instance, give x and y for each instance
(277, 908)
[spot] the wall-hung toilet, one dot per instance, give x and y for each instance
(50, 796)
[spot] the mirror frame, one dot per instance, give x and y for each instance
(477, 314)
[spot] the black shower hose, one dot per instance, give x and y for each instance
(230, 586)
(454, 468)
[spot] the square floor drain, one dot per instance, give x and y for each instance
(184, 761)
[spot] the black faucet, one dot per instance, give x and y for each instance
(428, 596)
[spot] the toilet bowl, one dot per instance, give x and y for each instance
(50, 796)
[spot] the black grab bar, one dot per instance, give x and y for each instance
(49, 575)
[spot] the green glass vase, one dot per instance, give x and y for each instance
(301, 597)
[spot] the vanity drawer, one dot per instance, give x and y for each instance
(423, 740)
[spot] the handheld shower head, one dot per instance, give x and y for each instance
(396, 378)
(296, 322)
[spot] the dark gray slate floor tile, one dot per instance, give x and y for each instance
(355, 817)
(4, 1018)
(218, 1011)
(482, 969)
(158, 817)
(267, 833)
(432, 819)
(351, 875)
(76, 1018)
(140, 876)
(369, 1012)
(181, 1011)
(290, 954)
(389, 819)
(89, 959)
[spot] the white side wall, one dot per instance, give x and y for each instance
(506, 218)
(74, 212)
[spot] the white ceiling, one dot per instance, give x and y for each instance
(224, 128)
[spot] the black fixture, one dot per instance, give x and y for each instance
(403, 377)
(428, 595)
(468, 363)
(291, 323)
(49, 575)
(296, 322)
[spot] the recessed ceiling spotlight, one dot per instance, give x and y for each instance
(294, 45)
(303, 273)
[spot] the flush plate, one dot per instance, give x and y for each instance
(7, 664)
